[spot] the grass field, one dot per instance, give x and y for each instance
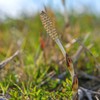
(39, 71)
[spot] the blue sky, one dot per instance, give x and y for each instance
(14, 7)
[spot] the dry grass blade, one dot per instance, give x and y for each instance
(63, 2)
(80, 49)
(85, 75)
(5, 62)
(51, 30)
(65, 12)
(70, 43)
(90, 91)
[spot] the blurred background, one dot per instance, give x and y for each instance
(78, 26)
(15, 8)
(20, 18)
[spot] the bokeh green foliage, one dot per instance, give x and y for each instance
(27, 31)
